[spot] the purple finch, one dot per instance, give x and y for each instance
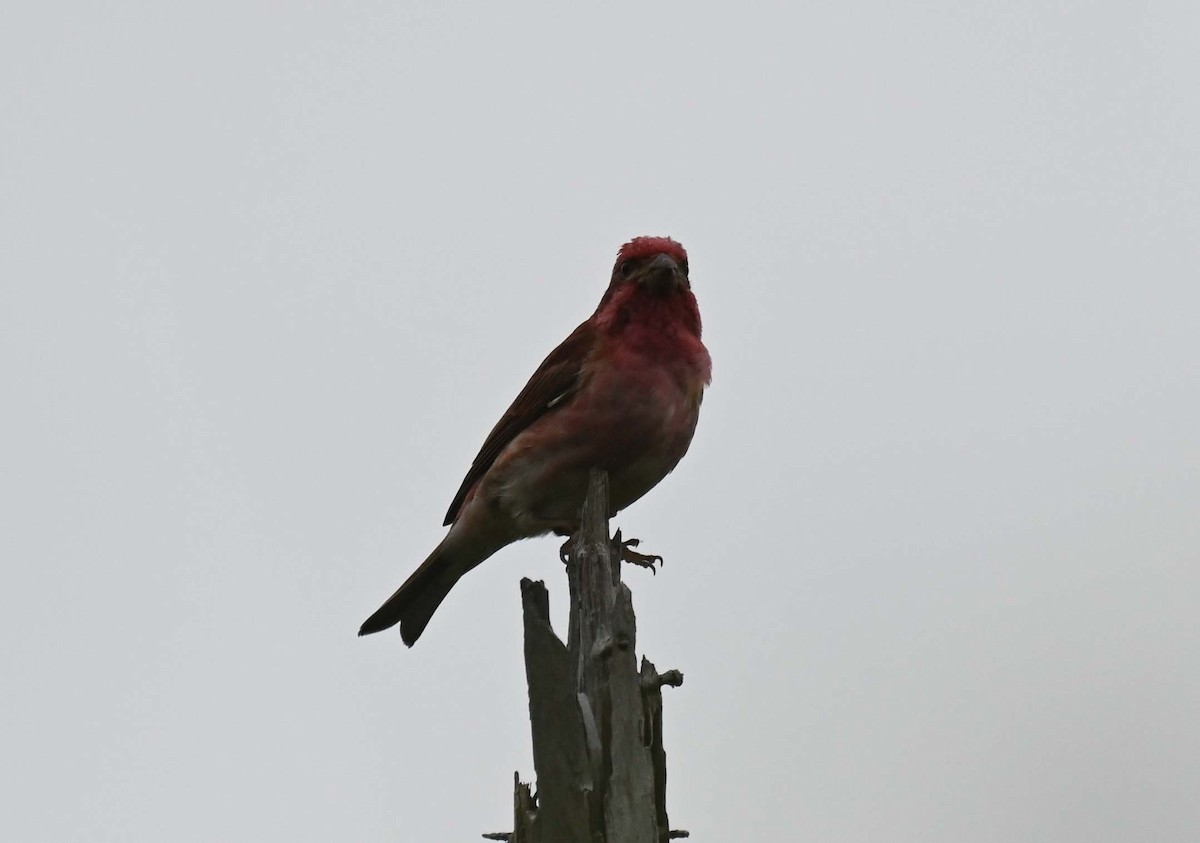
(622, 393)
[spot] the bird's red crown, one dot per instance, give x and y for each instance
(641, 247)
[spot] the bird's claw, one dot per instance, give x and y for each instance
(564, 552)
(624, 550)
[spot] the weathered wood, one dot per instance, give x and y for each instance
(560, 756)
(652, 682)
(524, 812)
(629, 809)
(596, 718)
(590, 578)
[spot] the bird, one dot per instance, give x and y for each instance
(621, 393)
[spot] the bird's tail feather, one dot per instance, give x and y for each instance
(414, 603)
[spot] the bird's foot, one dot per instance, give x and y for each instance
(625, 552)
(564, 552)
(622, 548)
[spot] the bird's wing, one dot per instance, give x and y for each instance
(553, 383)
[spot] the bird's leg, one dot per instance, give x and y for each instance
(623, 548)
(568, 547)
(560, 528)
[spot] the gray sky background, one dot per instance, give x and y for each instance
(271, 271)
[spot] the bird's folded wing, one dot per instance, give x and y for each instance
(553, 383)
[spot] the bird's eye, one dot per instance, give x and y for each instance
(626, 269)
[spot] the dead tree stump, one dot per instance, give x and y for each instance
(596, 717)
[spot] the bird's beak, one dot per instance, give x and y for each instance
(663, 274)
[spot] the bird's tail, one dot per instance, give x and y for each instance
(414, 603)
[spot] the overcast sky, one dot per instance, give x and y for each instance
(270, 272)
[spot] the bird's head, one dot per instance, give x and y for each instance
(657, 264)
(650, 279)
